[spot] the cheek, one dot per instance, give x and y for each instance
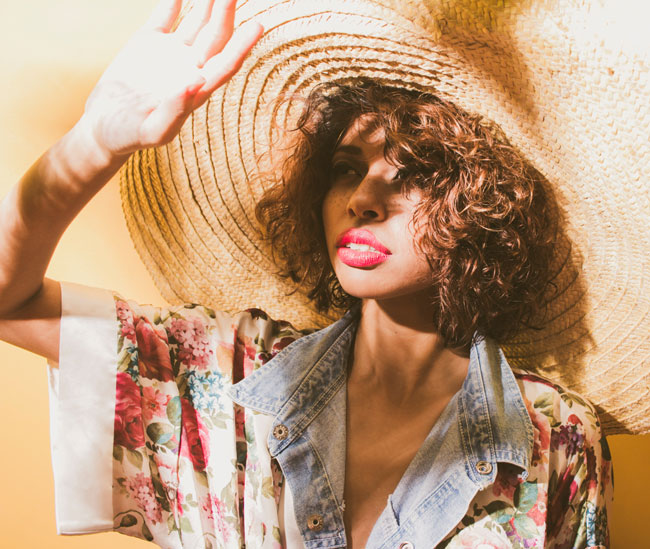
(326, 216)
(333, 206)
(418, 258)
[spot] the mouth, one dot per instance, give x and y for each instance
(360, 248)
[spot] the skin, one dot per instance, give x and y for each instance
(141, 100)
(402, 375)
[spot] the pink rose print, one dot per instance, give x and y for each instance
(215, 510)
(125, 316)
(194, 438)
(538, 513)
(128, 413)
(180, 501)
(140, 488)
(507, 480)
(154, 403)
(574, 420)
(193, 344)
(153, 351)
(168, 474)
(559, 503)
(281, 344)
(244, 357)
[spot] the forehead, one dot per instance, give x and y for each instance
(365, 129)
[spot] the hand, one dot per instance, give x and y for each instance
(163, 74)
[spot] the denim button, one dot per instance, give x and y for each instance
(280, 432)
(406, 545)
(315, 523)
(484, 468)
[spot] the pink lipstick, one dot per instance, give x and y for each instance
(360, 248)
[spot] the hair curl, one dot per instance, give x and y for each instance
(486, 223)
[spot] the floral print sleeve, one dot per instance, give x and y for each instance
(185, 467)
(580, 480)
(562, 502)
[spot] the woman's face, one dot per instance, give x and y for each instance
(367, 221)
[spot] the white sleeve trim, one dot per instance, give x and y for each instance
(82, 410)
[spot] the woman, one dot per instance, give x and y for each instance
(374, 238)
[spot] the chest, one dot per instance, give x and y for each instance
(382, 439)
(429, 494)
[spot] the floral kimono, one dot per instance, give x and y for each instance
(193, 428)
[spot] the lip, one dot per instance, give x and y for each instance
(360, 258)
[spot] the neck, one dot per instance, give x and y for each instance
(397, 350)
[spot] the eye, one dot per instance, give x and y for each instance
(401, 175)
(341, 168)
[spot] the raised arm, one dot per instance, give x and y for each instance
(163, 73)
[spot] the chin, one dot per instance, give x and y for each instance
(361, 283)
(363, 288)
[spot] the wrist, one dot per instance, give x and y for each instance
(67, 176)
(89, 159)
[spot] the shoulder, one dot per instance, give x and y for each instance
(571, 463)
(192, 317)
(197, 335)
(568, 441)
(554, 406)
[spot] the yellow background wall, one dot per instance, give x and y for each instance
(51, 53)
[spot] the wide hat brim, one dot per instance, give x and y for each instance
(566, 81)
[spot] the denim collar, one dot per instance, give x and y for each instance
(303, 388)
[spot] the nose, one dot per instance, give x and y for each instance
(368, 199)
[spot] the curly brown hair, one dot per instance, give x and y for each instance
(486, 223)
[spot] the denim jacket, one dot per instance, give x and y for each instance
(484, 424)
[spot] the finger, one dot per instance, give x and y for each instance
(223, 65)
(166, 120)
(193, 22)
(215, 34)
(164, 15)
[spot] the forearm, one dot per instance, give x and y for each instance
(36, 212)
(163, 73)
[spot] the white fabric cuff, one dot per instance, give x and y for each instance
(82, 410)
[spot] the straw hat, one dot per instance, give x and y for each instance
(569, 83)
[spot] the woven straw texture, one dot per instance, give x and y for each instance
(568, 81)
